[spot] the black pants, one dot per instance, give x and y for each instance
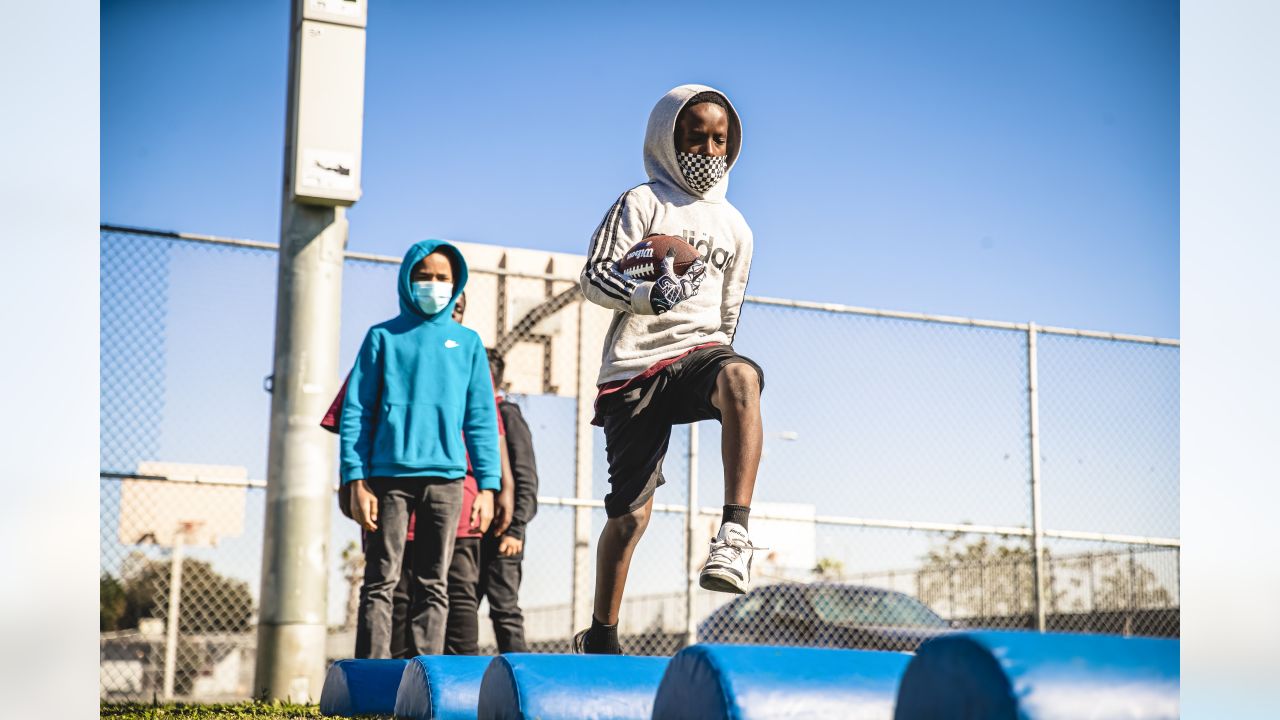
(637, 422)
(437, 503)
(478, 571)
(401, 632)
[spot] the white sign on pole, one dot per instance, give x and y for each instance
(329, 113)
(344, 12)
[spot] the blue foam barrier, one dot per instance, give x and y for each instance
(1033, 676)
(754, 682)
(522, 686)
(441, 687)
(361, 687)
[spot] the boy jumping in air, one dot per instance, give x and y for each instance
(668, 355)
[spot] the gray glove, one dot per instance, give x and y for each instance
(670, 289)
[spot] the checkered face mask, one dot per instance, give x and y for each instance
(702, 172)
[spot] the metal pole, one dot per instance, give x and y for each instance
(1133, 591)
(1037, 530)
(1093, 597)
(1177, 575)
(951, 589)
(291, 626)
(691, 553)
(581, 602)
(300, 461)
(1017, 585)
(175, 601)
(982, 589)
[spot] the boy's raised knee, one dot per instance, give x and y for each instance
(632, 524)
(738, 383)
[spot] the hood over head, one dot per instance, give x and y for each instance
(660, 145)
(404, 286)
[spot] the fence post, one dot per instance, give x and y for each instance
(581, 599)
(1177, 576)
(1133, 592)
(691, 554)
(175, 601)
(982, 589)
(1037, 531)
(1093, 596)
(1017, 586)
(951, 590)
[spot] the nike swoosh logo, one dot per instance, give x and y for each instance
(450, 344)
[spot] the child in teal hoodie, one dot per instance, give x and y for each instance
(419, 386)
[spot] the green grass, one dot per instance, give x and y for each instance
(255, 710)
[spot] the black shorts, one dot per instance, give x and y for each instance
(637, 422)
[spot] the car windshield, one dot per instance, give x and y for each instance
(853, 606)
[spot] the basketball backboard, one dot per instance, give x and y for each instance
(204, 502)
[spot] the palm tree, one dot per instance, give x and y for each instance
(353, 571)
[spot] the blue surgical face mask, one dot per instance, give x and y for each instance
(432, 296)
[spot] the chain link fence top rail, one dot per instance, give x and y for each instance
(893, 492)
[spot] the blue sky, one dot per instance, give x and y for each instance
(988, 159)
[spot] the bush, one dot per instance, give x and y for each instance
(210, 602)
(111, 602)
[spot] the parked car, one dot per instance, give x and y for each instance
(824, 615)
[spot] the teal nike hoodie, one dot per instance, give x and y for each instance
(420, 383)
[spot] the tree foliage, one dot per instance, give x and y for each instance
(111, 602)
(1126, 584)
(828, 569)
(990, 578)
(209, 603)
(981, 578)
(353, 571)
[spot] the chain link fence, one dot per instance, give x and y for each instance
(895, 493)
(148, 578)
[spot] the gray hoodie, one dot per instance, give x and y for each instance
(666, 205)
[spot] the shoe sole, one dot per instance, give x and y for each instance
(721, 582)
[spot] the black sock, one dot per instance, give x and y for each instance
(602, 639)
(735, 514)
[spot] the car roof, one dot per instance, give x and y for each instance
(869, 589)
(792, 585)
(848, 587)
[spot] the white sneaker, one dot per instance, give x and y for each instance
(728, 567)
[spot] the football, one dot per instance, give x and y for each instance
(644, 260)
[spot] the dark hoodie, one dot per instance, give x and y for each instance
(420, 383)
